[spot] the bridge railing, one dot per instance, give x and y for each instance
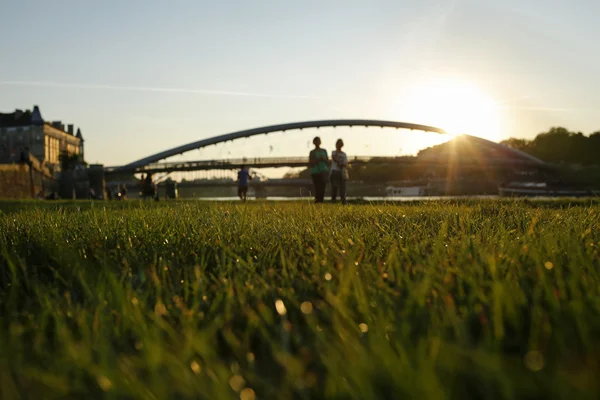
(275, 162)
(232, 163)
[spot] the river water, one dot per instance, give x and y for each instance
(365, 198)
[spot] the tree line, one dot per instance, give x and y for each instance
(577, 157)
(561, 146)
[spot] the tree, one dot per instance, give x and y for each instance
(68, 162)
(561, 146)
(519, 144)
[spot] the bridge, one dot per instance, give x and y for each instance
(505, 154)
(232, 163)
(291, 162)
(283, 182)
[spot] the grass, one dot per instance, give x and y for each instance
(438, 300)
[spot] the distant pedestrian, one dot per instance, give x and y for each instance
(339, 172)
(243, 176)
(149, 190)
(123, 192)
(319, 170)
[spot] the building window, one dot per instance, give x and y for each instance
(52, 149)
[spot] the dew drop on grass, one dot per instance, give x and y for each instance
(104, 383)
(280, 307)
(195, 367)
(235, 367)
(160, 309)
(237, 383)
(534, 361)
(247, 394)
(306, 307)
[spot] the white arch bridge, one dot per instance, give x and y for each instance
(506, 155)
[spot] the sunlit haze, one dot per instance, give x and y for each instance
(139, 77)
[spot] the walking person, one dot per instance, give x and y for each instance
(243, 177)
(123, 192)
(319, 170)
(339, 172)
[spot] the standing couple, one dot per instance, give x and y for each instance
(318, 162)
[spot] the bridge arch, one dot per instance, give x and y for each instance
(306, 125)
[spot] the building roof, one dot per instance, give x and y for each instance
(28, 117)
(17, 118)
(22, 118)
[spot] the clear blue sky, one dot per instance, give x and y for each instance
(141, 76)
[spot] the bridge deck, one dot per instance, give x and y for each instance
(233, 163)
(278, 162)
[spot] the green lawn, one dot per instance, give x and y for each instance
(428, 300)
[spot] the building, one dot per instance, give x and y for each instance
(23, 132)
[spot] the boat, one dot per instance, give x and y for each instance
(405, 191)
(543, 189)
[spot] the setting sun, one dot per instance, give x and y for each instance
(455, 106)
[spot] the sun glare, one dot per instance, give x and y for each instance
(455, 106)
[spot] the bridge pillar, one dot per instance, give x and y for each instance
(171, 190)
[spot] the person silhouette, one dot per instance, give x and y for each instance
(339, 172)
(319, 170)
(243, 177)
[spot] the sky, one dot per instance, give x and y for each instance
(141, 76)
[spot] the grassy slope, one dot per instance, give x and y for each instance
(437, 300)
